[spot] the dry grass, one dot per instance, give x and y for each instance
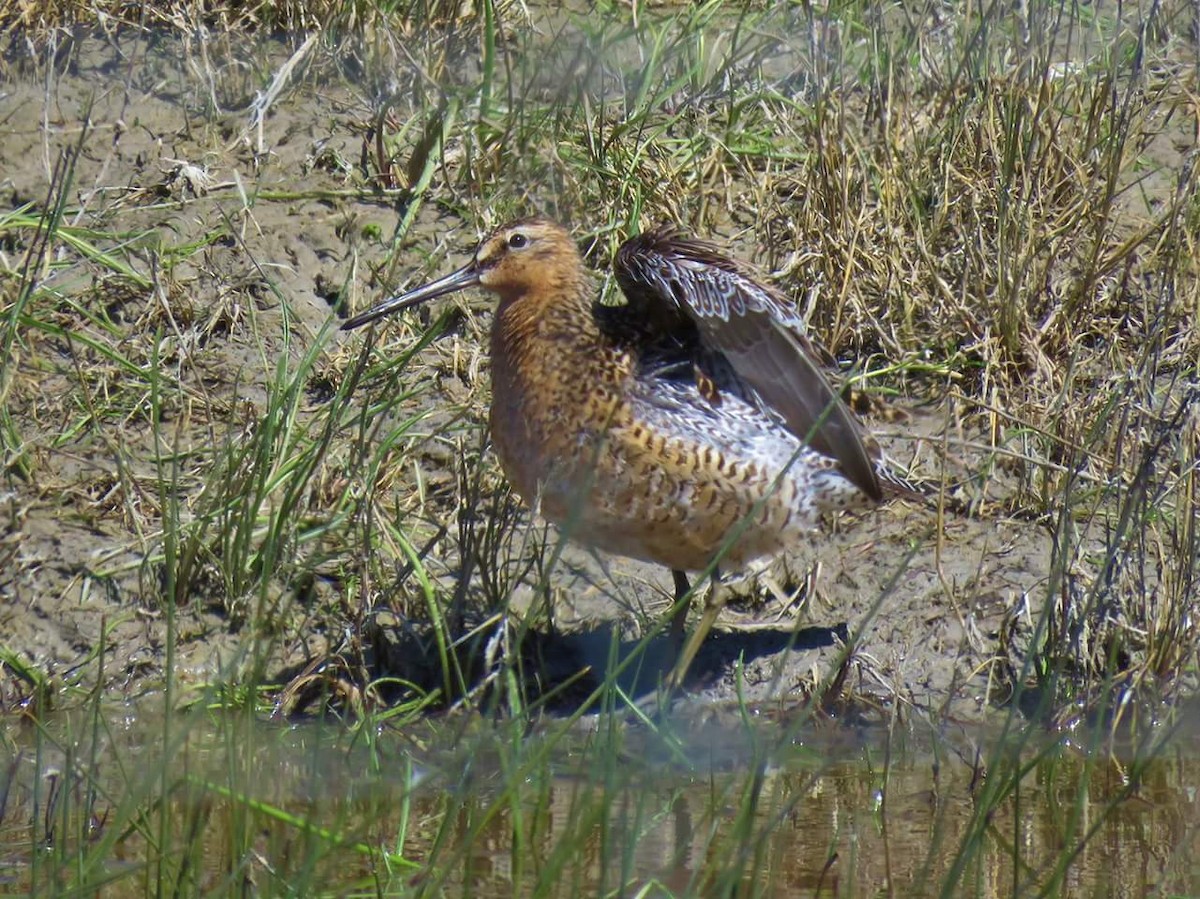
(38, 20)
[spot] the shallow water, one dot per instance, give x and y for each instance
(694, 808)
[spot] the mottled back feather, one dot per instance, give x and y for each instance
(681, 290)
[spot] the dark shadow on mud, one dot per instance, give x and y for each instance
(558, 671)
(640, 667)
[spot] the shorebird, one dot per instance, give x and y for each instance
(691, 426)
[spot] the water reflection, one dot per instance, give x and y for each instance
(476, 809)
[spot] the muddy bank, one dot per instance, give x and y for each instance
(138, 384)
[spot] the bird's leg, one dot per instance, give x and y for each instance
(675, 633)
(713, 603)
(679, 618)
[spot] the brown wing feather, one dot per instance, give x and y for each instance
(749, 323)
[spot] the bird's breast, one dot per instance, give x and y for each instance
(556, 391)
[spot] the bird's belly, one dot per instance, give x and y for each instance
(663, 475)
(682, 545)
(677, 505)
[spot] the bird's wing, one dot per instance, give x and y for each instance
(666, 274)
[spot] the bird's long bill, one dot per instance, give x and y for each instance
(467, 276)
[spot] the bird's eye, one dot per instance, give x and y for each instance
(518, 240)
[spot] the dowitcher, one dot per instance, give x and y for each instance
(691, 426)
